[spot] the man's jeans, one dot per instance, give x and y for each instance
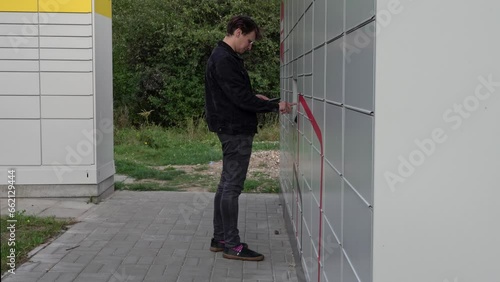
(236, 151)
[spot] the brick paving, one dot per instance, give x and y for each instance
(163, 236)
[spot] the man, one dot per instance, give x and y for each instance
(231, 111)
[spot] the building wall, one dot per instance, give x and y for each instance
(52, 105)
(375, 80)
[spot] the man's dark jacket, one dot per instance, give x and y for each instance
(231, 107)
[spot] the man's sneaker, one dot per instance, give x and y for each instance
(218, 246)
(242, 252)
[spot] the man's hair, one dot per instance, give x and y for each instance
(246, 24)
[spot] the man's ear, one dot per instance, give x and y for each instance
(237, 32)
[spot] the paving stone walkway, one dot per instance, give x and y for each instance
(162, 237)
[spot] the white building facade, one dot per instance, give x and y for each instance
(390, 163)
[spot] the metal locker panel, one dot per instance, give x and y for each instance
(300, 35)
(20, 144)
(335, 71)
(305, 167)
(67, 107)
(18, 42)
(348, 274)
(66, 54)
(66, 18)
(300, 84)
(66, 84)
(68, 142)
(18, 54)
(74, 6)
(315, 218)
(19, 18)
(300, 66)
(333, 136)
(308, 63)
(308, 31)
(308, 130)
(358, 153)
(332, 200)
(19, 5)
(307, 259)
(357, 233)
(19, 83)
(358, 11)
(335, 18)
(306, 210)
(12, 107)
(63, 66)
(308, 86)
(18, 29)
(359, 68)
(319, 73)
(318, 109)
(319, 22)
(65, 42)
(19, 65)
(65, 30)
(316, 175)
(331, 256)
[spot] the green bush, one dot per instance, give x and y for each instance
(160, 49)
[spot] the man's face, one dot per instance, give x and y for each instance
(244, 42)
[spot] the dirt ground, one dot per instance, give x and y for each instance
(262, 164)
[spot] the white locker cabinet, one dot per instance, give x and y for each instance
(334, 19)
(396, 165)
(319, 22)
(358, 12)
(18, 42)
(55, 83)
(56, 95)
(18, 54)
(19, 107)
(359, 62)
(68, 142)
(19, 83)
(332, 201)
(66, 54)
(335, 70)
(67, 107)
(21, 146)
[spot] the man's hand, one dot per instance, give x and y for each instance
(285, 107)
(262, 97)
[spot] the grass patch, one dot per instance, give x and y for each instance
(137, 150)
(140, 171)
(31, 231)
(147, 186)
(158, 146)
(261, 185)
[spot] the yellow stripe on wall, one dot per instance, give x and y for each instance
(65, 6)
(103, 7)
(19, 6)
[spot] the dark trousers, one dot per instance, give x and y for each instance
(236, 151)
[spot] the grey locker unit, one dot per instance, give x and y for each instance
(401, 143)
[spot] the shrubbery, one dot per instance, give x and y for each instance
(160, 49)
